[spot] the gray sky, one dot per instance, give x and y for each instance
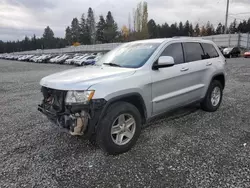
(27, 17)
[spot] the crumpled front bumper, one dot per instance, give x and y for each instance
(77, 119)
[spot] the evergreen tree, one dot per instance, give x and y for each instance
(181, 29)
(152, 29)
(248, 25)
(209, 29)
(68, 36)
(48, 38)
(173, 30)
(91, 25)
(110, 31)
(191, 30)
(33, 42)
(203, 31)
(48, 33)
(186, 29)
(197, 30)
(84, 31)
(233, 27)
(75, 30)
(219, 29)
(100, 29)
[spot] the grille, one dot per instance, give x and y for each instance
(53, 99)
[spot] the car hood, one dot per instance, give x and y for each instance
(84, 77)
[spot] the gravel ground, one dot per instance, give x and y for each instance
(188, 148)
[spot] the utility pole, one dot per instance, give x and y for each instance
(226, 17)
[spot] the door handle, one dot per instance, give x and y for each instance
(209, 63)
(184, 69)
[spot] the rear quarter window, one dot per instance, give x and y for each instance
(209, 50)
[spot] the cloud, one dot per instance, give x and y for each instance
(32, 4)
(27, 17)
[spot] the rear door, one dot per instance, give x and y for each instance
(212, 61)
(195, 57)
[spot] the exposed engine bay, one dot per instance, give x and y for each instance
(75, 120)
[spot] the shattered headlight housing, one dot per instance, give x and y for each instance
(82, 97)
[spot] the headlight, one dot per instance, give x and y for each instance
(79, 96)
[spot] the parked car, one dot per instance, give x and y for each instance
(53, 60)
(34, 58)
(92, 60)
(79, 61)
(247, 54)
(221, 48)
(61, 59)
(44, 58)
(89, 60)
(71, 60)
(231, 52)
(110, 102)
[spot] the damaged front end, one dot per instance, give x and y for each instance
(78, 119)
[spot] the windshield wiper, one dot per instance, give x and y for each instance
(112, 64)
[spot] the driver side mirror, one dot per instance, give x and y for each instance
(164, 61)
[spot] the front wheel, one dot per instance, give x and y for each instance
(213, 97)
(119, 129)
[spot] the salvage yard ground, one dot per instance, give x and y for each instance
(187, 148)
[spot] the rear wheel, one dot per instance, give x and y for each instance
(213, 97)
(119, 129)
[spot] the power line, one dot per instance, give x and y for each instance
(237, 18)
(240, 13)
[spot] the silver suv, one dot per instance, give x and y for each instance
(109, 102)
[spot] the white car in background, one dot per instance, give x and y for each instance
(79, 60)
(62, 59)
(34, 58)
(89, 60)
(53, 60)
(71, 60)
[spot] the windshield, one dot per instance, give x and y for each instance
(130, 55)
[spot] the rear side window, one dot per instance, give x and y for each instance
(193, 51)
(174, 50)
(210, 51)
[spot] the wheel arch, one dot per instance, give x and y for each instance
(221, 78)
(132, 98)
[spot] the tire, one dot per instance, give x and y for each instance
(105, 140)
(207, 104)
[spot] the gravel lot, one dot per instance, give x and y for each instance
(188, 148)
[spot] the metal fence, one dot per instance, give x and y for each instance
(227, 40)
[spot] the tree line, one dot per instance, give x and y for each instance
(87, 31)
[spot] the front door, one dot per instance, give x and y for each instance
(170, 84)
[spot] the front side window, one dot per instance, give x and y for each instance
(129, 55)
(193, 51)
(209, 50)
(174, 50)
